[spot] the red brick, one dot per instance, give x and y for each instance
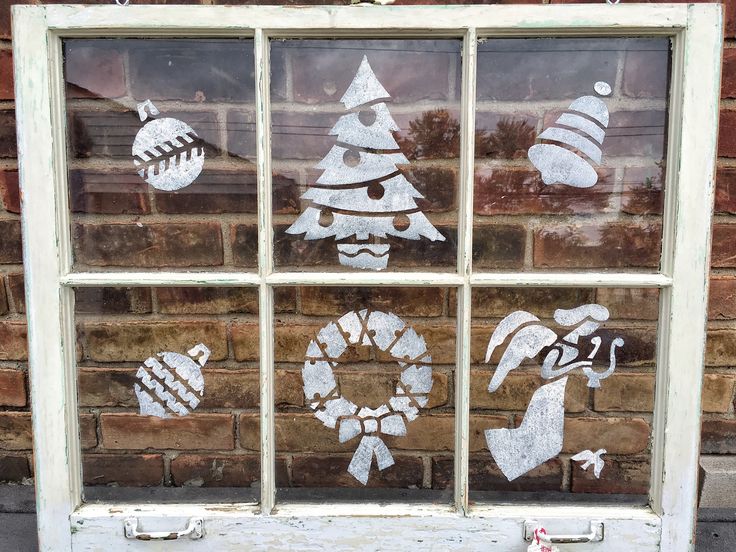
(192, 432)
(221, 471)
(241, 134)
(213, 192)
(14, 469)
(9, 190)
(136, 341)
(720, 348)
(484, 475)
(11, 244)
(544, 68)
(17, 291)
(500, 136)
(108, 193)
(647, 69)
(722, 252)
(148, 246)
(144, 470)
(499, 246)
(8, 143)
(718, 436)
(642, 190)
(607, 245)
(296, 135)
(728, 73)
(15, 431)
(6, 75)
(204, 70)
(626, 392)
(98, 387)
(4, 308)
(500, 191)
(331, 471)
(12, 388)
(244, 243)
(329, 301)
(13, 341)
(195, 300)
(727, 133)
(725, 190)
(112, 300)
(94, 69)
(322, 70)
(619, 476)
(87, 431)
(718, 392)
(616, 435)
(630, 303)
(722, 298)
(637, 134)
(499, 302)
(286, 192)
(517, 390)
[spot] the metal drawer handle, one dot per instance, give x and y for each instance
(596, 534)
(194, 530)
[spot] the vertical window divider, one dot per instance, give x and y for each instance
(265, 267)
(465, 258)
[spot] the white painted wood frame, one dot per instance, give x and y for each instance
(65, 523)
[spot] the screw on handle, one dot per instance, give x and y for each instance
(194, 530)
(596, 534)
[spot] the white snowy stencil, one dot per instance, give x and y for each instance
(539, 438)
(167, 152)
(528, 338)
(385, 332)
(590, 458)
(560, 165)
(361, 197)
(172, 384)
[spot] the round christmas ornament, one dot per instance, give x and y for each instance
(170, 386)
(167, 152)
(387, 333)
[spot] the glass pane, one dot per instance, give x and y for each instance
(365, 395)
(570, 153)
(566, 378)
(161, 153)
(366, 145)
(168, 391)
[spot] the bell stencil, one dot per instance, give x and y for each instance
(580, 132)
(361, 196)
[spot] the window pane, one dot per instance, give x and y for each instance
(365, 395)
(562, 372)
(570, 153)
(168, 392)
(162, 154)
(366, 146)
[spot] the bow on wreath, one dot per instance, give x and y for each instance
(370, 423)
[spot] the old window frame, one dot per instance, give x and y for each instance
(65, 521)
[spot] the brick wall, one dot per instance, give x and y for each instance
(211, 225)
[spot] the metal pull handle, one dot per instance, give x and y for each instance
(194, 530)
(596, 534)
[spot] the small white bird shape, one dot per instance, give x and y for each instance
(591, 458)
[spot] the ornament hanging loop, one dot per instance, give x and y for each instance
(122, 2)
(612, 2)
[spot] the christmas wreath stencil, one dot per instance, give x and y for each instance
(390, 335)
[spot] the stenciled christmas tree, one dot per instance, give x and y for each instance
(361, 196)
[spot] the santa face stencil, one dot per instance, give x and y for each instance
(539, 437)
(361, 197)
